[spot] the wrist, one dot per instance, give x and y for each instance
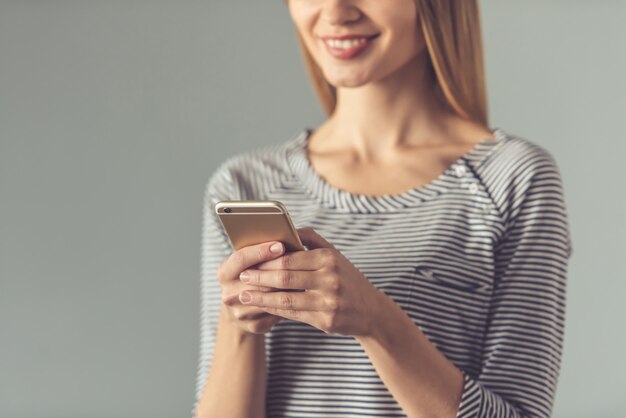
(378, 317)
(234, 332)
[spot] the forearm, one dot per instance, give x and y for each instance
(236, 383)
(421, 379)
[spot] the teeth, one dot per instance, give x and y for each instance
(345, 44)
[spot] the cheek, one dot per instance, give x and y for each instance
(304, 22)
(399, 17)
(406, 33)
(303, 15)
(403, 45)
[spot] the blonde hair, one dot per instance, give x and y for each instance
(452, 32)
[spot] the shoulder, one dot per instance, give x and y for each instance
(251, 174)
(517, 167)
(516, 156)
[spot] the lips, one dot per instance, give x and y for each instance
(347, 46)
(352, 36)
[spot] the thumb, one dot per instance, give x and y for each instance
(312, 239)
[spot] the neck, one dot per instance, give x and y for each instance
(401, 109)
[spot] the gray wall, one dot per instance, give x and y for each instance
(114, 113)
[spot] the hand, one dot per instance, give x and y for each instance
(249, 318)
(335, 296)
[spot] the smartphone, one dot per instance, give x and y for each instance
(249, 222)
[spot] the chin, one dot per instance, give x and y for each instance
(347, 80)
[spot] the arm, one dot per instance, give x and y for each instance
(523, 339)
(231, 372)
(236, 383)
(420, 378)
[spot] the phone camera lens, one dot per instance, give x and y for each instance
(228, 210)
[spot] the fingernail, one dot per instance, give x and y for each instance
(276, 248)
(245, 297)
(244, 276)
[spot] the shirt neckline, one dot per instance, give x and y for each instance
(342, 200)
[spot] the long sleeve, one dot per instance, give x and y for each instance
(215, 247)
(524, 335)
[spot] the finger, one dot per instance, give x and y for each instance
(250, 313)
(312, 239)
(246, 257)
(282, 279)
(300, 301)
(300, 260)
(232, 297)
(307, 317)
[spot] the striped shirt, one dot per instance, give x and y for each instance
(477, 258)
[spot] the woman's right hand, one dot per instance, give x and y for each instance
(249, 318)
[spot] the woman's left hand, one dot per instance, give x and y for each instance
(337, 297)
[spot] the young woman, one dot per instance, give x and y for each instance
(435, 275)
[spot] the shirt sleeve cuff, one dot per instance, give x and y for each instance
(479, 402)
(471, 398)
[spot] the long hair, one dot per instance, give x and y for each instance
(452, 32)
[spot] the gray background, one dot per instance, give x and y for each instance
(114, 113)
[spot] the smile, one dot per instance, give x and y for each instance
(347, 48)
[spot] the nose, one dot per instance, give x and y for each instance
(337, 12)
